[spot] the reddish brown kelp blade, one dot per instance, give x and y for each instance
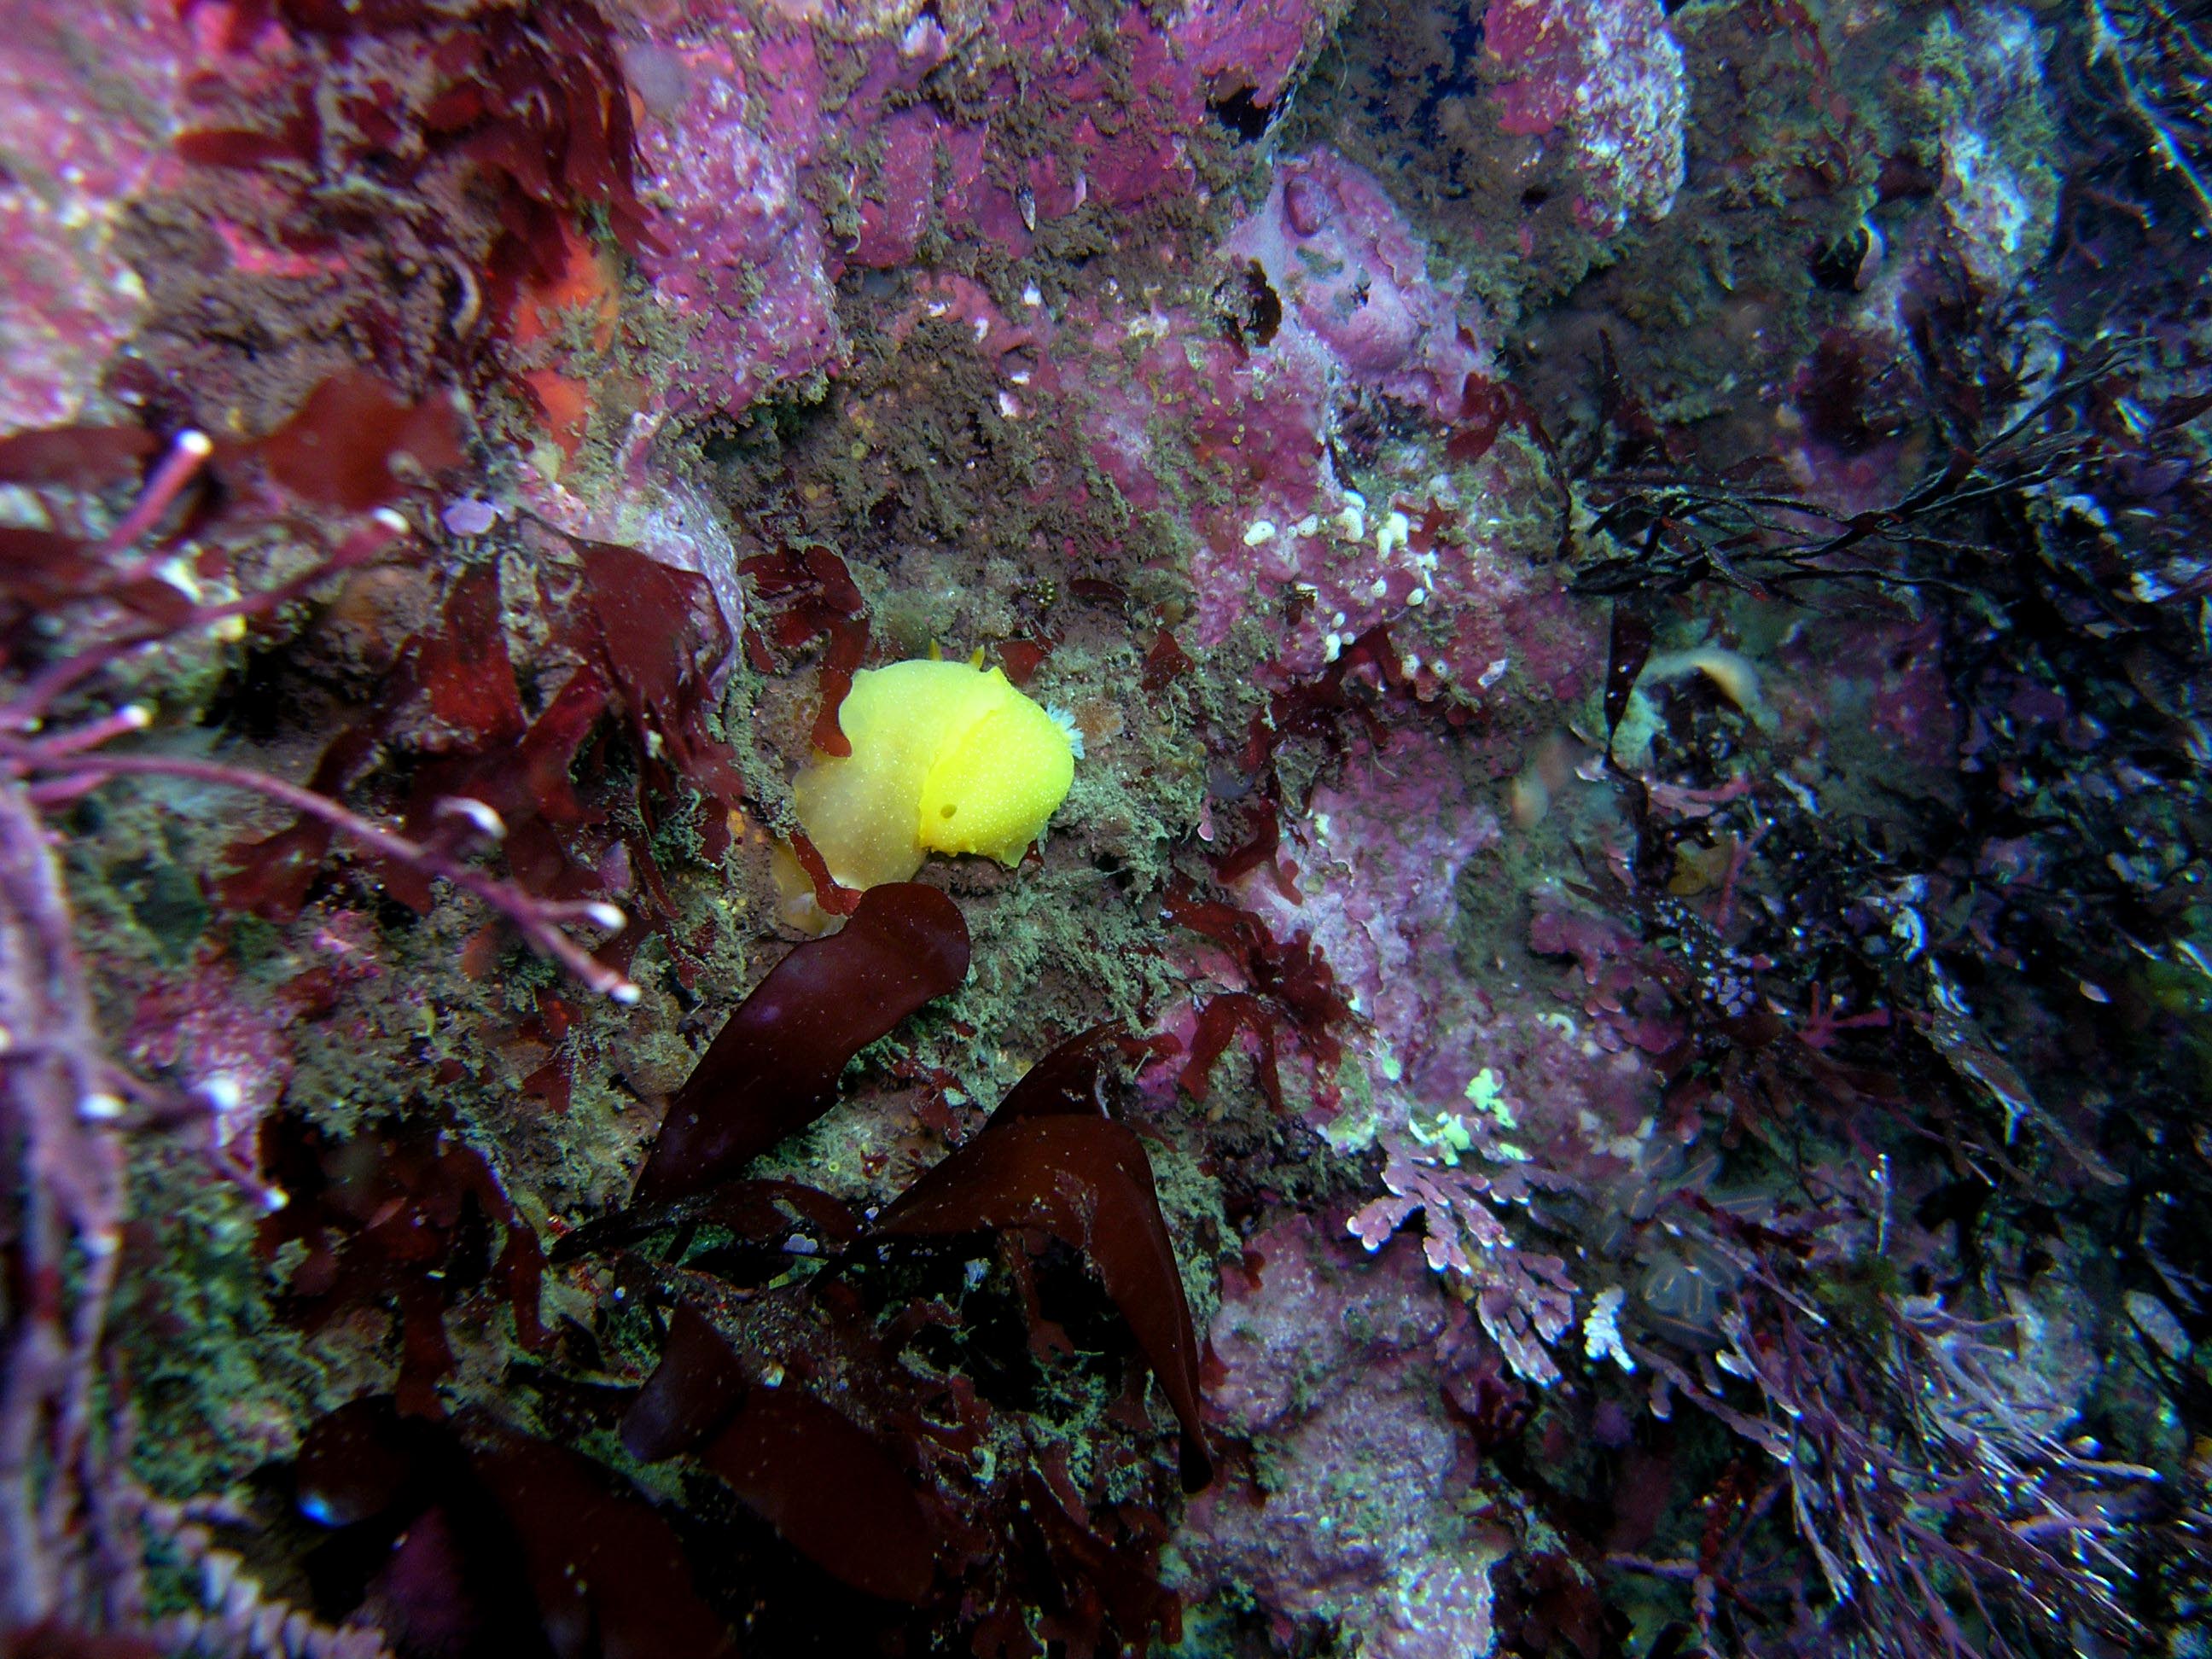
(80, 457)
(1067, 1080)
(1085, 1180)
(660, 640)
(773, 1067)
(804, 594)
(336, 450)
(472, 1539)
(361, 1460)
(1064, 1083)
(819, 1478)
(827, 1487)
(607, 1574)
(691, 1394)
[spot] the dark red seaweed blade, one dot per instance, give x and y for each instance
(828, 1487)
(773, 1069)
(1086, 1181)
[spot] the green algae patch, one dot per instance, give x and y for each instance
(222, 1383)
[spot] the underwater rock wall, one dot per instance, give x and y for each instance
(1605, 1053)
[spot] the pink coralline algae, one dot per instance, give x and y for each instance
(1157, 80)
(1377, 856)
(1478, 1099)
(1605, 77)
(1279, 536)
(1352, 273)
(73, 152)
(1462, 609)
(745, 270)
(1331, 1365)
(782, 153)
(231, 1055)
(1317, 563)
(232, 1045)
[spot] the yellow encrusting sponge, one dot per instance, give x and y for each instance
(947, 757)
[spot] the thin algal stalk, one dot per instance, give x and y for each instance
(58, 1119)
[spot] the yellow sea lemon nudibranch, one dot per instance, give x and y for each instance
(947, 757)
